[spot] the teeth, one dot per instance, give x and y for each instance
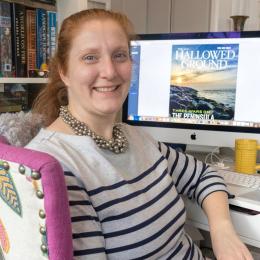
(105, 89)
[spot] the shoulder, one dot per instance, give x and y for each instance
(53, 143)
(135, 131)
(138, 135)
(40, 140)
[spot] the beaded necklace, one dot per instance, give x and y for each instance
(118, 143)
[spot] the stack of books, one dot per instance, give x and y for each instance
(28, 39)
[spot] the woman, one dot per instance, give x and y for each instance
(123, 186)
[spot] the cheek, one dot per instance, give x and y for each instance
(126, 72)
(84, 76)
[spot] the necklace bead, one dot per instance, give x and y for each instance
(118, 143)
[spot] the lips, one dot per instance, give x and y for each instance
(106, 89)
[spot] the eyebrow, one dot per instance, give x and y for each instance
(91, 50)
(96, 50)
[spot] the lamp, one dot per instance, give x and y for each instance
(239, 21)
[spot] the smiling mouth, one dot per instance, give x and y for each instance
(106, 89)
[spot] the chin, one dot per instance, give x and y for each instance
(109, 111)
(111, 108)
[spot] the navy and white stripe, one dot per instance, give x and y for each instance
(128, 206)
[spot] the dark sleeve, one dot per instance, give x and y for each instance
(192, 177)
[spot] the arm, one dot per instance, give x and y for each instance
(88, 239)
(225, 242)
(198, 181)
(192, 177)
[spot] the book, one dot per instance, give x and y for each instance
(5, 39)
(41, 42)
(19, 49)
(31, 42)
(203, 81)
(13, 97)
(52, 34)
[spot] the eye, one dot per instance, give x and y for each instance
(121, 56)
(90, 58)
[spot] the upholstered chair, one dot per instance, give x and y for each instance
(34, 210)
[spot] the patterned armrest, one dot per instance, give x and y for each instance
(34, 211)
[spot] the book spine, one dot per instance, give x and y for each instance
(18, 14)
(52, 33)
(6, 39)
(41, 41)
(31, 42)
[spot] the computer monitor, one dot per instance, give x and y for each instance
(196, 88)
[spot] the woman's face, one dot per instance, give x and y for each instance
(99, 69)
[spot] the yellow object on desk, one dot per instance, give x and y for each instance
(245, 155)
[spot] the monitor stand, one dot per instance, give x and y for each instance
(190, 148)
(221, 157)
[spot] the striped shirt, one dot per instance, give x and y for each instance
(128, 206)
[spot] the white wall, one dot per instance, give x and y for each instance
(221, 10)
(153, 16)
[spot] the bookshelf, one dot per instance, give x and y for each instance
(23, 80)
(18, 93)
(63, 9)
(34, 4)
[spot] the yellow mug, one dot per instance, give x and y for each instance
(245, 155)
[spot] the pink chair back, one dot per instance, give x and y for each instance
(33, 198)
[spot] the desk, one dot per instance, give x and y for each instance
(247, 226)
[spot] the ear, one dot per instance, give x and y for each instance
(63, 76)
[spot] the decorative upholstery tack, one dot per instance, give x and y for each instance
(21, 169)
(35, 175)
(42, 213)
(39, 194)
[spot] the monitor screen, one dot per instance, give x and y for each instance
(196, 88)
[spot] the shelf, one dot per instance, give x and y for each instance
(24, 80)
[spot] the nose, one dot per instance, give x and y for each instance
(108, 69)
